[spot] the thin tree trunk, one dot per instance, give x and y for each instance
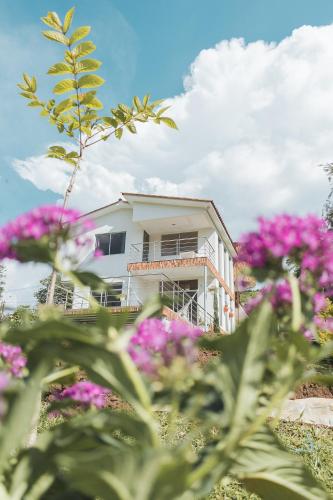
(53, 280)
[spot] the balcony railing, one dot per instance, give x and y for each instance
(186, 248)
(122, 293)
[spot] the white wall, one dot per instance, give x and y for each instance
(113, 265)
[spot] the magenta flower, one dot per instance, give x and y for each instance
(307, 243)
(87, 393)
(46, 221)
(14, 359)
(158, 342)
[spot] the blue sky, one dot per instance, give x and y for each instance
(145, 46)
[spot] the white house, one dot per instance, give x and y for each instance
(175, 246)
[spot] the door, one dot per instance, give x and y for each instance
(145, 248)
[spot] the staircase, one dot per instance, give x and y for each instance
(181, 304)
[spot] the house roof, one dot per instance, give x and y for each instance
(185, 198)
(210, 203)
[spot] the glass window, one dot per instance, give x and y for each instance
(117, 243)
(111, 243)
(173, 244)
(103, 243)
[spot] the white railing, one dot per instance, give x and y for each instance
(183, 302)
(185, 248)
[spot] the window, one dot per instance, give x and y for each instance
(110, 297)
(111, 243)
(173, 244)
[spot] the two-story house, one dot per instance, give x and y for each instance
(178, 247)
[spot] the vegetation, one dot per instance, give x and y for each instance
(63, 293)
(152, 370)
(80, 115)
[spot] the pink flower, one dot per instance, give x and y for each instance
(87, 393)
(45, 221)
(13, 358)
(157, 342)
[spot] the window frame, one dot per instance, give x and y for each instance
(110, 235)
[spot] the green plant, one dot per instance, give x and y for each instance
(63, 294)
(79, 116)
(125, 453)
(216, 324)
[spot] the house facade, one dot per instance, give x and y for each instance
(174, 246)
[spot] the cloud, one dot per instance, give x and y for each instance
(255, 123)
(22, 281)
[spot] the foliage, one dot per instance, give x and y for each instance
(247, 295)
(216, 324)
(22, 316)
(63, 292)
(328, 208)
(120, 454)
(327, 313)
(78, 111)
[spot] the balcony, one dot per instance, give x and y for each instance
(171, 249)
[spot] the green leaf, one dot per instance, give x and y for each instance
(131, 127)
(28, 95)
(137, 103)
(162, 110)
(35, 104)
(242, 367)
(168, 121)
(68, 19)
(90, 81)
(64, 86)
(52, 20)
(60, 69)
(79, 33)
(156, 103)
(118, 133)
(58, 149)
(22, 412)
(145, 100)
(31, 82)
(83, 49)
(268, 470)
(64, 106)
(110, 121)
(88, 65)
(56, 37)
(94, 103)
(125, 109)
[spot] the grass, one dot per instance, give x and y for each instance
(313, 444)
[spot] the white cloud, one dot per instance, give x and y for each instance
(255, 123)
(22, 281)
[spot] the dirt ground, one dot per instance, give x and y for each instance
(313, 391)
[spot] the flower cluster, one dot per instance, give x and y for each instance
(87, 394)
(157, 342)
(14, 359)
(49, 220)
(304, 242)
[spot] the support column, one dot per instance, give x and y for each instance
(205, 298)
(221, 259)
(226, 267)
(231, 269)
(128, 289)
(222, 302)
